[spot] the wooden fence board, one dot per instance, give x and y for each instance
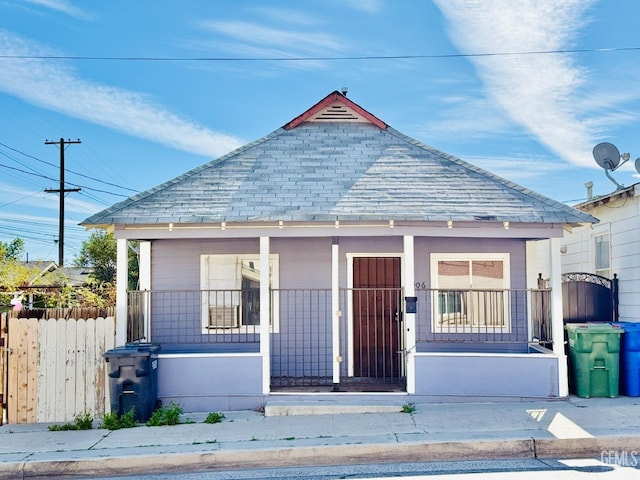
(69, 347)
(32, 370)
(60, 366)
(4, 343)
(21, 377)
(4, 372)
(49, 369)
(90, 372)
(42, 377)
(12, 377)
(81, 368)
(102, 333)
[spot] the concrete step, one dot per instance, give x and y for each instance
(275, 408)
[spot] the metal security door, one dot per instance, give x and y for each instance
(377, 338)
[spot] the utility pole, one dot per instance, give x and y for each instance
(61, 191)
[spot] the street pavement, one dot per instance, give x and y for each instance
(333, 432)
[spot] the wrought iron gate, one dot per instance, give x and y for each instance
(589, 298)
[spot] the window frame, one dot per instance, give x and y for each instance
(598, 270)
(205, 286)
(441, 328)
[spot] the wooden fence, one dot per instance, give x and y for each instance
(54, 368)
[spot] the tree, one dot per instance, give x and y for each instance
(11, 250)
(13, 273)
(99, 253)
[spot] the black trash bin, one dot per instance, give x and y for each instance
(133, 379)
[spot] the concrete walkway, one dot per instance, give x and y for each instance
(331, 432)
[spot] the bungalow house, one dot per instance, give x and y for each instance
(337, 256)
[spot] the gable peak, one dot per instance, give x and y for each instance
(336, 107)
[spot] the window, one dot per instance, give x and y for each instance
(602, 255)
(230, 287)
(471, 292)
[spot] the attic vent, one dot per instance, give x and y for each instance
(338, 112)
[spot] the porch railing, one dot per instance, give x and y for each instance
(232, 316)
(483, 316)
(194, 317)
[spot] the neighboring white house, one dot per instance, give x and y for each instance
(609, 247)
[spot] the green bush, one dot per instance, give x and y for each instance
(214, 417)
(169, 415)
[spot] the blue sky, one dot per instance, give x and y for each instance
(154, 88)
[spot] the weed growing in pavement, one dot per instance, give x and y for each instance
(214, 417)
(408, 408)
(113, 421)
(165, 415)
(82, 421)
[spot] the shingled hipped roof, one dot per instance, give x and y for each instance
(336, 161)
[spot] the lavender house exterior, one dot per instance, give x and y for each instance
(337, 256)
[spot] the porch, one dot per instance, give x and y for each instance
(435, 343)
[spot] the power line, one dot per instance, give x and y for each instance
(53, 179)
(70, 183)
(66, 169)
(311, 59)
(19, 199)
(28, 173)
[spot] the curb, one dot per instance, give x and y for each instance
(319, 455)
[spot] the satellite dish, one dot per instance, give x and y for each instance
(638, 165)
(607, 155)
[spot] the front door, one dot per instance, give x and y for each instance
(377, 319)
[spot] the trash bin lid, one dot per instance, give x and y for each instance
(627, 326)
(125, 352)
(133, 350)
(593, 328)
(143, 347)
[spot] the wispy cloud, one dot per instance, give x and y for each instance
(368, 6)
(539, 92)
(285, 15)
(460, 116)
(63, 6)
(519, 168)
(258, 36)
(43, 83)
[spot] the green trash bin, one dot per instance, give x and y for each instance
(594, 358)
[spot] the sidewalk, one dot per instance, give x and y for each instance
(575, 428)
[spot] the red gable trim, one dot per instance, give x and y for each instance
(329, 99)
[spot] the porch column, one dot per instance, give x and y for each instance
(144, 278)
(532, 279)
(409, 318)
(122, 265)
(557, 326)
(335, 308)
(265, 314)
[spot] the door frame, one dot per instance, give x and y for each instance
(349, 300)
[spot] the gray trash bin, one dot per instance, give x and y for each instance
(133, 379)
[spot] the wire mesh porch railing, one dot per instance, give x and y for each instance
(371, 327)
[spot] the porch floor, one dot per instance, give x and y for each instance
(347, 385)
